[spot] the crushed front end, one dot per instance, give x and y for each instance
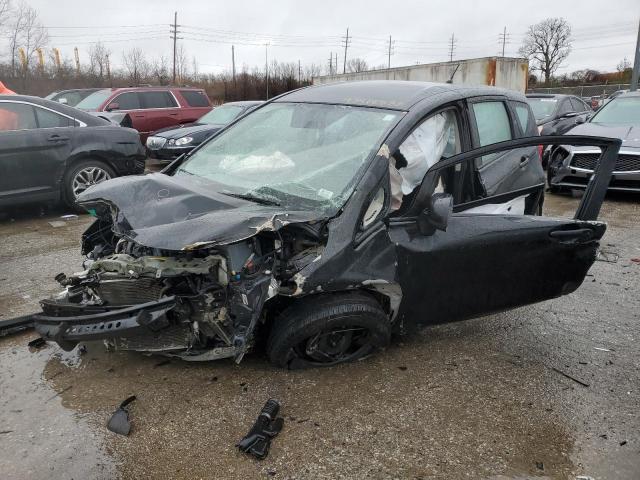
(199, 303)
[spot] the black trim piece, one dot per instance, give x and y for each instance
(498, 198)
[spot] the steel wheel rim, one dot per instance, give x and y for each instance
(87, 177)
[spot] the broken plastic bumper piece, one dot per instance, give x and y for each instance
(68, 324)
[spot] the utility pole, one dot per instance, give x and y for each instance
(266, 66)
(330, 63)
(233, 66)
(346, 45)
(503, 39)
(174, 36)
(636, 65)
(108, 68)
(77, 57)
(299, 71)
(390, 52)
(452, 46)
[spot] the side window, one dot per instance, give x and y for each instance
(127, 101)
(17, 116)
(434, 139)
(492, 122)
(158, 100)
(565, 107)
(577, 105)
(524, 118)
(49, 119)
(195, 98)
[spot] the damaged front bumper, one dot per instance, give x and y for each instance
(69, 324)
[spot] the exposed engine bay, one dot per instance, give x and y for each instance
(199, 304)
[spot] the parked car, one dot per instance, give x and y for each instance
(71, 97)
(150, 108)
(323, 221)
(52, 152)
(572, 167)
(169, 143)
(555, 114)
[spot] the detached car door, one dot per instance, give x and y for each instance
(476, 263)
(34, 143)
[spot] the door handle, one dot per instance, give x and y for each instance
(524, 161)
(571, 236)
(173, 114)
(57, 138)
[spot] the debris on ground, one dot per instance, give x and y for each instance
(69, 216)
(162, 363)
(119, 421)
(38, 343)
(57, 223)
(602, 349)
(604, 256)
(580, 382)
(635, 260)
(540, 465)
(266, 427)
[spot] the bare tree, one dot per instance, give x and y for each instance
(624, 65)
(98, 60)
(136, 65)
(5, 11)
(182, 65)
(546, 45)
(160, 70)
(356, 65)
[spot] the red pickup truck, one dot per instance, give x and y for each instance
(150, 108)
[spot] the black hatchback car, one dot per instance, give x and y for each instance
(325, 220)
(556, 114)
(52, 152)
(169, 143)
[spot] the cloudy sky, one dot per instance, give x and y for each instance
(604, 32)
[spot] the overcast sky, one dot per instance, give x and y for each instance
(604, 32)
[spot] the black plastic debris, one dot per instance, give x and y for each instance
(37, 343)
(119, 421)
(267, 426)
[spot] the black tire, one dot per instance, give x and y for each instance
(69, 196)
(344, 327)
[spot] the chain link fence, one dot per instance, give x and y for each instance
(586, 91)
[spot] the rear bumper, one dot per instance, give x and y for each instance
(68, 324)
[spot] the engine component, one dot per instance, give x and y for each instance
(267, 426)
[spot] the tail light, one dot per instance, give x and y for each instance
(540, 150)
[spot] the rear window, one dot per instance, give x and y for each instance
(157, 100)
(49, 119)
(195, 98)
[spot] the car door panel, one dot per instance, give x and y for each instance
(484, 263)
(488, 263)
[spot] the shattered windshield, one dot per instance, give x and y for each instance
(306, 156)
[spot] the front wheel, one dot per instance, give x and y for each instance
(328, 330)
(83, 175)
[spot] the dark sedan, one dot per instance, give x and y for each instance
(555, 114)
(571, 167)
(170, 143)
(52, 152)
(71, 97)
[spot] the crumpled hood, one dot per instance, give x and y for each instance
(183, 213)
(629, 134)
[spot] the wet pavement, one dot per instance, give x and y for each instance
(503, 396)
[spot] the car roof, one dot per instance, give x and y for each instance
(151, 87)
(389, 94)
(84, 117)
(629, 94)
(94, 89)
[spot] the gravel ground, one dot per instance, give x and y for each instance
(476, 399)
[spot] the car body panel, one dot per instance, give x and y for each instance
(33, 162)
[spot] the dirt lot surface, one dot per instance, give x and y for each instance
(477, 399)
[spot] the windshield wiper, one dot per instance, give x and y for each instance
(252, 198)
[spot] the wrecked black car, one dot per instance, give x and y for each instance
(324, 221)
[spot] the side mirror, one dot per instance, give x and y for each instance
(113, 106)
(436, 215)
(62, 101)
(580, 120)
